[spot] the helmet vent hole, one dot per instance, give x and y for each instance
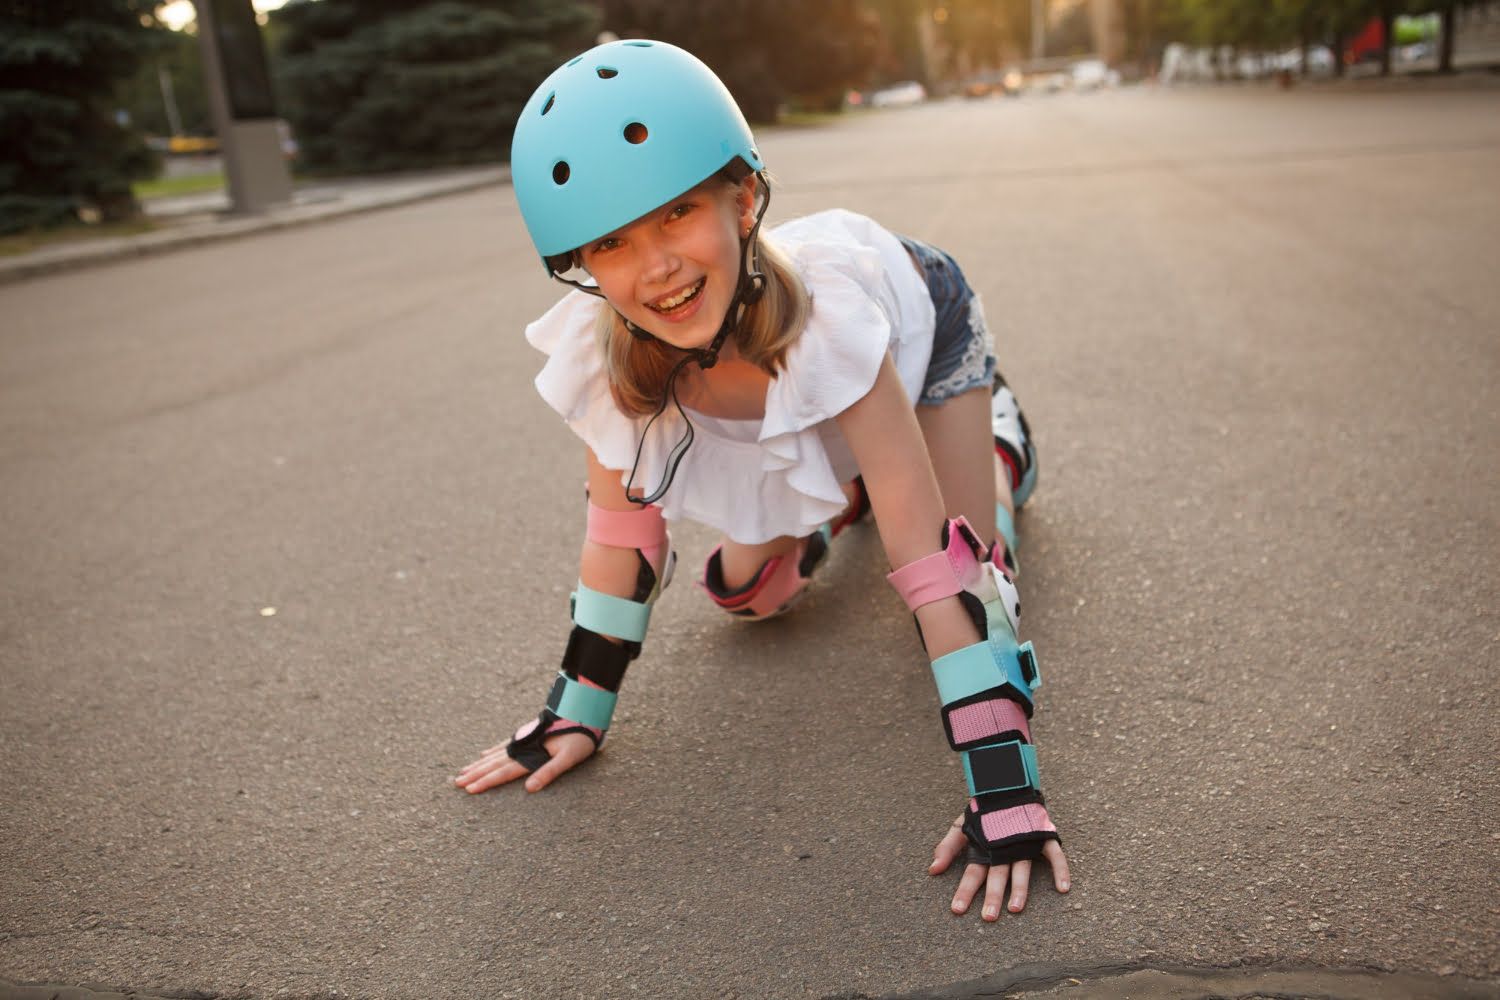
(636, 133)
(560, 173)
(607, 72)
(639, 45)
(551, 100)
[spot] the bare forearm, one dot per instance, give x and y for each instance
(882, 430)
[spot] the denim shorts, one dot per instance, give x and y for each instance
(963, 352)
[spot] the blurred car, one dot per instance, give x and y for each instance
(1319, 59)
(1092, 74)
(899, 95)
(979, 86)
(993, 82)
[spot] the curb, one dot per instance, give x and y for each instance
(312, 204)
(1139, 981)
(1113, 981)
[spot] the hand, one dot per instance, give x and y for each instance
(994, 877)
(496, 767)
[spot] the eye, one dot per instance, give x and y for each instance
(608, 243)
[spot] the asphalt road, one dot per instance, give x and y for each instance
(288, 537)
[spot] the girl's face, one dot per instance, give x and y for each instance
(673, 271)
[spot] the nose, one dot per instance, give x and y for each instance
(658, 259)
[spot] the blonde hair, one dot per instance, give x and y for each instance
(638, 368)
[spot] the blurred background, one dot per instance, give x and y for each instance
(108, 102)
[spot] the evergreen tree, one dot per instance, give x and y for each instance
(175, 68)
(61, 62)
(767, 52)
(374, 85)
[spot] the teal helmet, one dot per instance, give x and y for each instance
(617, 132)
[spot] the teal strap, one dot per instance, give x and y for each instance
(1001, 767)
(982, 667)
(581, 703)
(610, 615)
(1005, 526)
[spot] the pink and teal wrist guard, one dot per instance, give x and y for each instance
(607, 634)
(986, 691)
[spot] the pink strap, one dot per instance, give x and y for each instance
(987, 718)
(1015, 821)
(941, 574)
(627, 529)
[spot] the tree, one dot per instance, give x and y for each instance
(766, 51)
(377, 85)
(900, 55)
(174, 67)
(66, 150)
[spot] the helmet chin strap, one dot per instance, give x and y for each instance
(747, 291)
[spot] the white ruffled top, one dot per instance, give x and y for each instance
(755, 480)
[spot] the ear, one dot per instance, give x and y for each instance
(744, 197)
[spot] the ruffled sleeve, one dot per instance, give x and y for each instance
(573, 382)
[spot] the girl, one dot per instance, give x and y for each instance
(763, 385)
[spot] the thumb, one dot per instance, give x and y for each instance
(567, 755)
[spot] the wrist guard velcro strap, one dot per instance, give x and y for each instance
(610, 615)
(1001, 767)
(527, 746)
(951, 570)
(642, 528)
(1003, 835)
(985, 670)
(575, 701)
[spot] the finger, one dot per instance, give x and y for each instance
(1061, 876)
(568, 752)
(499, 773)
(967, 886)
(949, 848)
(1020, 885)
(994, 890)
(487, 762)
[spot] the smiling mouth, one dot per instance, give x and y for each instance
(679, 300)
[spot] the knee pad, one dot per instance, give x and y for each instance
(777, 585)
(1012, 440)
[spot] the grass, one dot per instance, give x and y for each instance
(164, 187)
(808, 119)
(37, 239)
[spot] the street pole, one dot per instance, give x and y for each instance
(1038, 29)
(239, 90)
(169, 98)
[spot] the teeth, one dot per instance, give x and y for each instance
(667, 305)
